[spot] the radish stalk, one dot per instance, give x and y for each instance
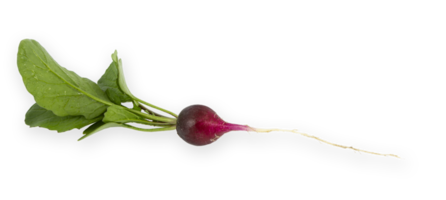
(150, 111)
(156, 107)
(167, 128)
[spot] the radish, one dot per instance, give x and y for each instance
(200, 125)
(65, 101)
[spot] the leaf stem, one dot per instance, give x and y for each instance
(150, 130)
(145, 122)
(156, 124)
(152, 117)
(156, 107)
(150, 111)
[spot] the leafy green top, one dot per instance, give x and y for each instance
(65, 101)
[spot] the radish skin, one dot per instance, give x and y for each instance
(199, 125)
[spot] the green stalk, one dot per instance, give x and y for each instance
(148, 110)
(156, 107)
(136, 106)
(150, 130)
(156, 126)
(145, 122)
(152, 117)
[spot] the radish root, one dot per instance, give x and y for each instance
(259, 130)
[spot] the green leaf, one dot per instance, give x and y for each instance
(98, 126)
(38, 116)
(122, 83)
(110, 84)
(56, 88)
(120, 114)
(121, 80)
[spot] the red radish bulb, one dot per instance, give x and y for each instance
(200, 125)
